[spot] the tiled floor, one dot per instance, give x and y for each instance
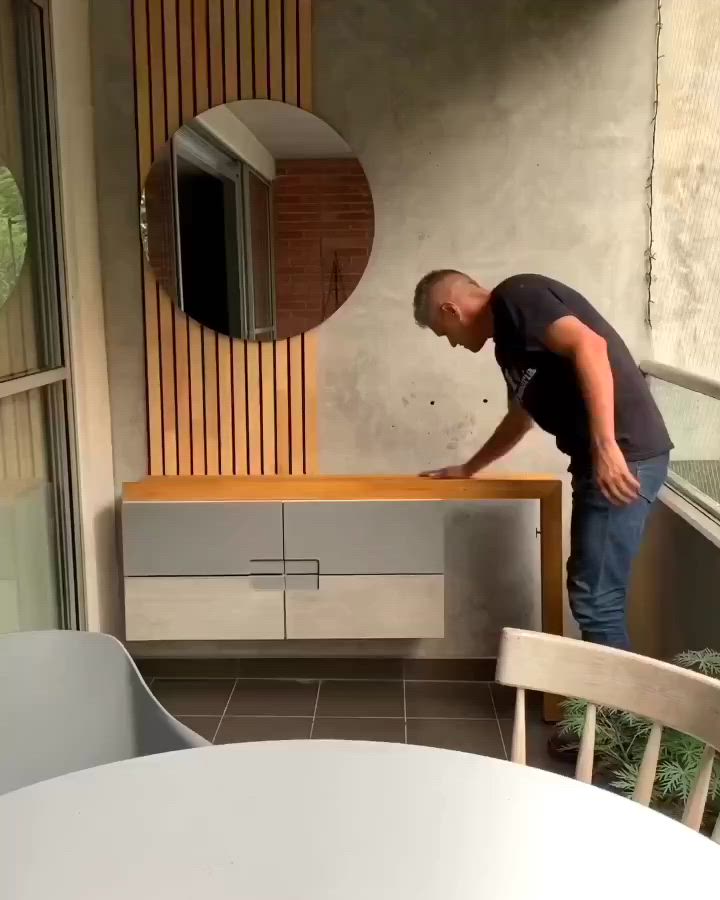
(475, 717)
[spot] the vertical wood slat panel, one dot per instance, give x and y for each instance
(304, 44)
(280, 392)
(297, 441)
(215, 45)
(245, 45)
(166, 339)
(310, 400)
(308, 389)
(267, 380)
(176, 22)
(240, 434)
(210, 384)
(260, 48)
(185, 61)
(215, 404)
(230, 51)
(275, 44)
(225, 403)
(188, 335)
(197, 398)
(290, 46)
(200, 54)
(282, 407)
(145, 155)
(254, 405)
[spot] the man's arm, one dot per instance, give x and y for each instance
(509, 432)
(570, 338)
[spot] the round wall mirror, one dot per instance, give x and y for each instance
(257, 219)
(13, 233)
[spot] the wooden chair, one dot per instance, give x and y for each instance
(665, 694)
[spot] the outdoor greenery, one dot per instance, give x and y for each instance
(621, 739)
(13, 233)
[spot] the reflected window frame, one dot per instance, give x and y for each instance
(194, 145)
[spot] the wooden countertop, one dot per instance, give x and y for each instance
(289, 488)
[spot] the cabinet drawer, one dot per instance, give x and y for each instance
(361, 538)
(201, 609)
(199, 538)
(368, 606)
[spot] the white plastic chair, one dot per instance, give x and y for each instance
(70, 700)
(667, 695)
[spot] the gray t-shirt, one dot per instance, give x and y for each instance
(546, 385)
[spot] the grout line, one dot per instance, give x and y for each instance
(497, 719)
(317, 700)
(405, 710)
(314, 716)
(232, 691)
(359, 718)
(307, 678)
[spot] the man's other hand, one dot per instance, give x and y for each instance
(613, 476)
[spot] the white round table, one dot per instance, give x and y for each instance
(329, 820)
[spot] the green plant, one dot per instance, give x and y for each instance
(621, 738)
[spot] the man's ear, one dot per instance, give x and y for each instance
(449, 309)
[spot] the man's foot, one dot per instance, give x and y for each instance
(563, 747)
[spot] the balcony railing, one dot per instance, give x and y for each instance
(690, 405)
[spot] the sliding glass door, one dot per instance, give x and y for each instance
(38, 550)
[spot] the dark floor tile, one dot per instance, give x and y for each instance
(361, 698)
(448, 700)
(271, 667)
(269, 697)
(193, 698)
(481, 669)
(205, 726)
(504, 698)
(392, 730)
(471, 736)
(256, 728)
(537, 733)
(324, 667)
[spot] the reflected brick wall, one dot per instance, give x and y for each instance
(323, 223)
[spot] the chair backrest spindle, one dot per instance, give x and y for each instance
(518, 752)
(586, 754)
(648, 767)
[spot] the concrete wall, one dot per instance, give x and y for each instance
(685, 312)
(497, 137)
(118, 198)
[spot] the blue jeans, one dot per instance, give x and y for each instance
(604, 540)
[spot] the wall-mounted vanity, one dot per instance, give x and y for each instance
(307, 558)
(257, 223)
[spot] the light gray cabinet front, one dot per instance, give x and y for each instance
(364, 607)
(196, 538)
(367, 538)
(201, 609)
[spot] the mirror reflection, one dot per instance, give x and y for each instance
(13, 233)
(257, 219)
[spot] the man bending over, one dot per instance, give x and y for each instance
(568, 371)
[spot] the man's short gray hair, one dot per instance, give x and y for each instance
(422, 307)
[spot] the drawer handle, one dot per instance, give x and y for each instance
(267, 566)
